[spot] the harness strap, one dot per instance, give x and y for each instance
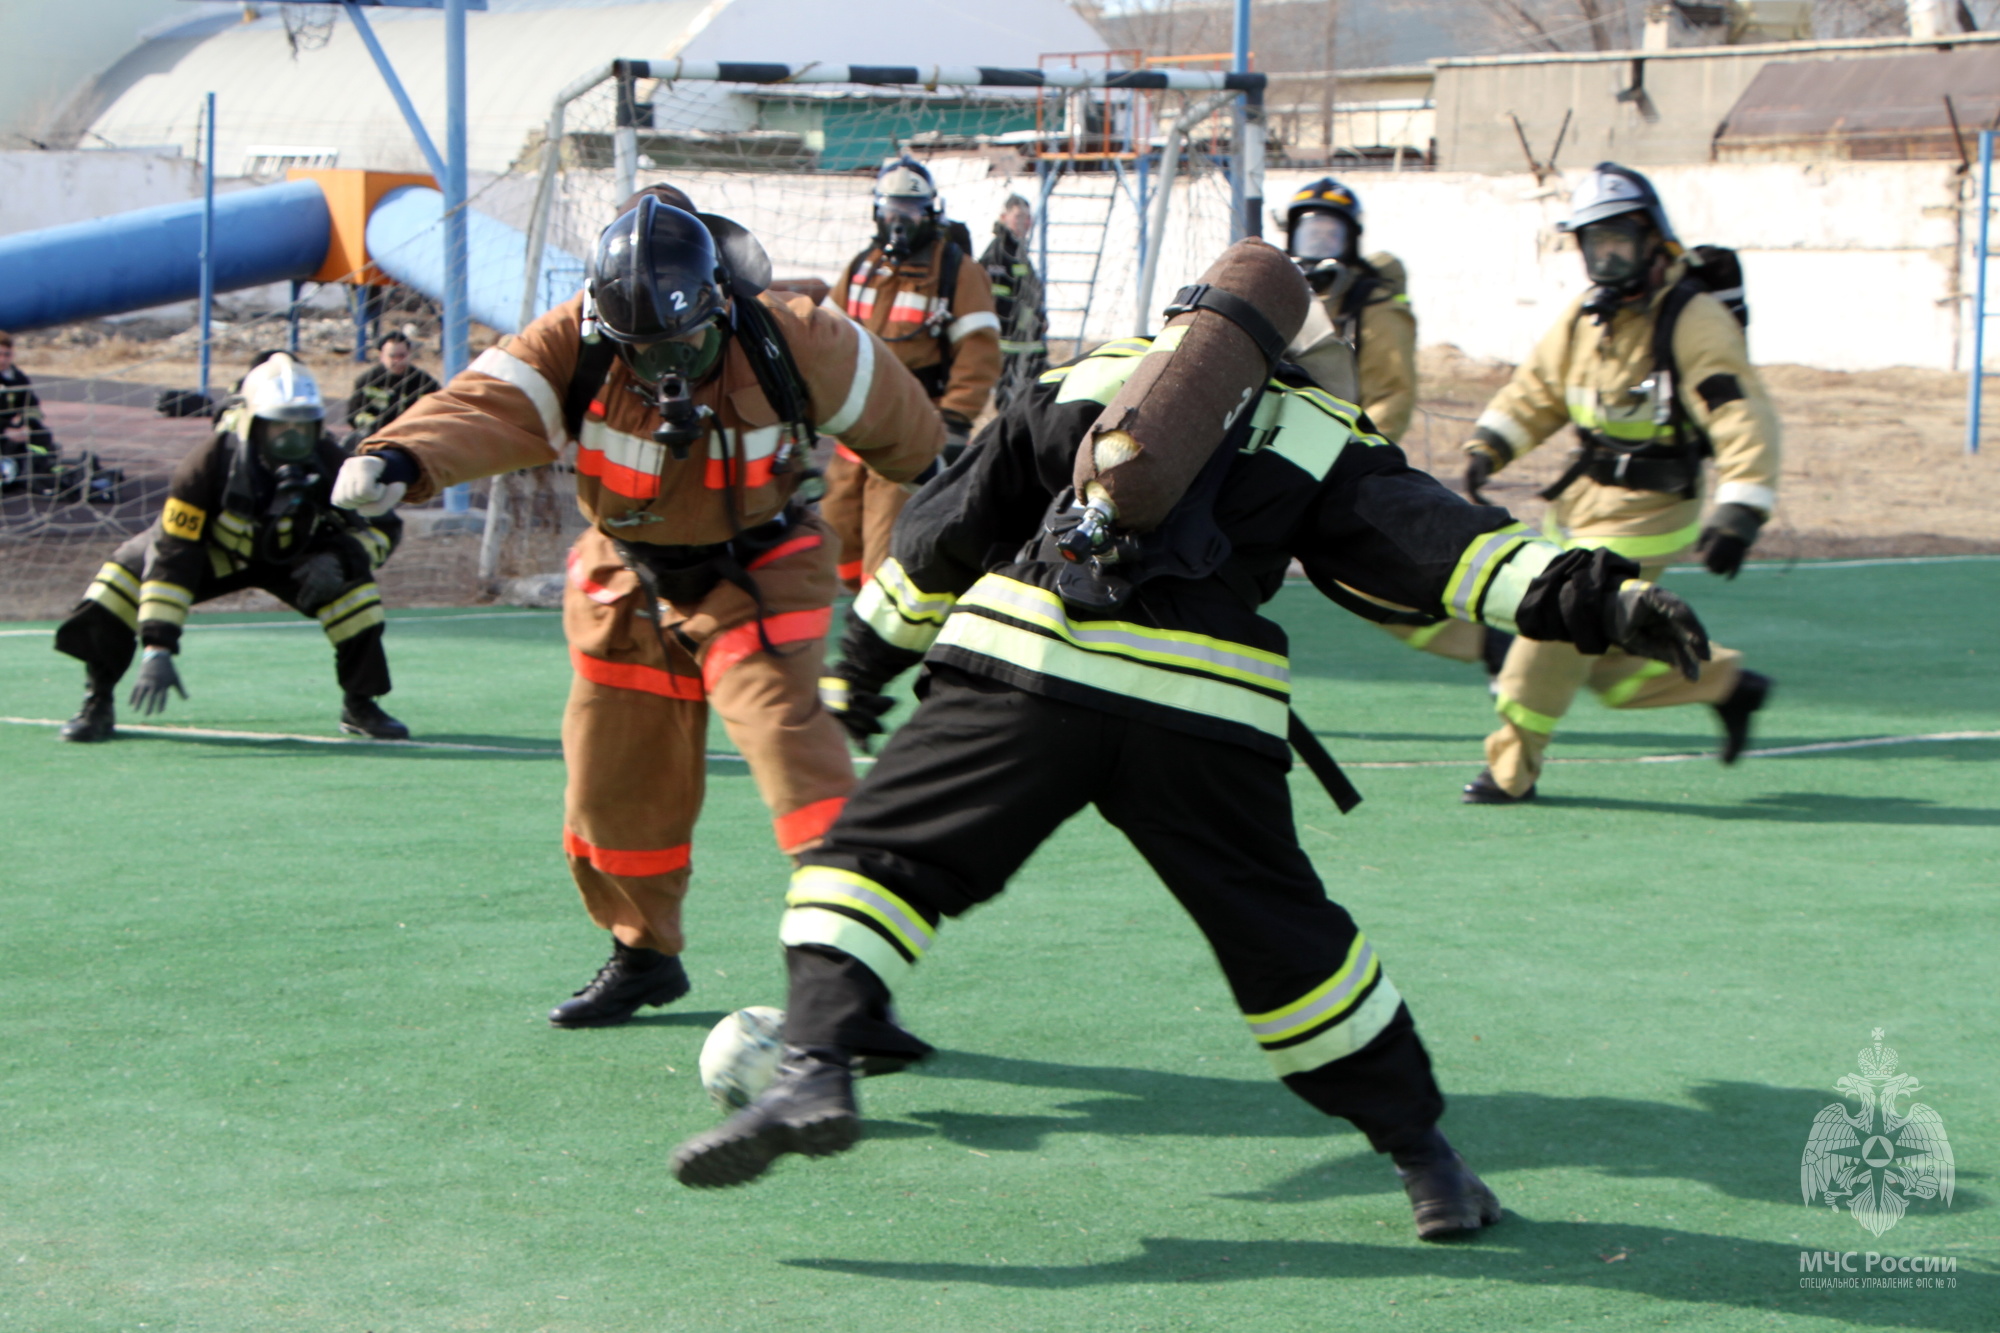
(1344, 793)
(1247, 317)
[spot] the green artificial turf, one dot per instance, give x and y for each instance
(275, 1054)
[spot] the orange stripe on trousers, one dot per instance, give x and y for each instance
(731, 646)
(663, 861)
(633, 676)
(808, 824)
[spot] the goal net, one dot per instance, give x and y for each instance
(789, 152)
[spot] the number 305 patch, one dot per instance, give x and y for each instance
(183, 519)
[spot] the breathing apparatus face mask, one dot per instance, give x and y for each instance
(283, 442)
(1617, 251)
(1320, 236)
(667, 372)
(903, 225)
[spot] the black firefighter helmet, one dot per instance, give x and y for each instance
(1323, 221)
(655, 282)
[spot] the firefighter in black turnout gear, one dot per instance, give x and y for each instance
(386, 389)
(252, 508)
(1082, 589)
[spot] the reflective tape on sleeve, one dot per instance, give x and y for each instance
(1510, 583)
(168, 602)
(899, 611)
(510, 369)
(858, 385)
(976, 322)
(1477, 566)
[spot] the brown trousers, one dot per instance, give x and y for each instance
(636, 728)
(861, 508)
(1540, 680)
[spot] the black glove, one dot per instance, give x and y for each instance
(1478, 471)
(855, 707)
(318, 580)
(1730, 533)
(1648, 621)
(957, 434)
(156, 677)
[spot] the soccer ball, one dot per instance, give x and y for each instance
(740, 1057)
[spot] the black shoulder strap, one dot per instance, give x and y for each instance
(948, 292)
(771, 361)
(593, 365)
(1201, 296)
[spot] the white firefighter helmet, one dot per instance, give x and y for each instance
(906, 178)
(280, 389)
(1610, 191)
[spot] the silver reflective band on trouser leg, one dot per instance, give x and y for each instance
(857, 916)
(1333, 1020)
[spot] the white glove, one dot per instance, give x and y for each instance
(359, 487)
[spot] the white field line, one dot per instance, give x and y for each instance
(1776, 752)
(304, 623)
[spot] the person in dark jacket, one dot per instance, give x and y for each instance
(385, 390)
(33, 454)
(251, 508)
(1069, 661)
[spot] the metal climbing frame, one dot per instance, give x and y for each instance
(1980, 314)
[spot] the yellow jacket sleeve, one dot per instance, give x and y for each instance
(1531, 407)
(1725, 396)
(1389, 364)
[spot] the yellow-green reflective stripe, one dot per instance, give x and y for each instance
(1524, 717)
(826, 886)
(350, 601)
(813, 925)
(120, 578)
(1039, 653)
(1476, 566)
(1024, 601)
(1322, 1001)
(158, 590)
(912, 601)
(1510, 584)
(1635, 548)
(1167, 340)
(1622, 693)
(1342, 1039)
(365, 618)
(114, 599)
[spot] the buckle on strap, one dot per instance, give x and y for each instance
(1247, 317)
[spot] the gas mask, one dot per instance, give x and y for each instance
(665, 374)
(282, 443)
(1617, 252)
(1319, 236)
(903, 226)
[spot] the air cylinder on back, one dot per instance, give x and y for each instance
(1203, 372)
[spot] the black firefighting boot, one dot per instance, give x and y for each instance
(809, 1109)
(1752, 689)
(1447, 1200)
(630, 979)
(1483, 790)
(94, 721)
(362, 716)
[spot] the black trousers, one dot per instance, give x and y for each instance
(105, 643)
(984, 773)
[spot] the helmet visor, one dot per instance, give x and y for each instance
(1321, 236)
(287, 441)
(1615, 250)
(691, 357)
(902, 206)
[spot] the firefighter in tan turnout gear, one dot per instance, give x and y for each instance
(1359, 343)
(919, 290)
(695, 397)
(1652, 370)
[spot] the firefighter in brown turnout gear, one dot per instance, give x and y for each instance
(694, 396)
(1082, 590)
(919, 290)
(1651, 368)
(1359, 343)
(251, 508)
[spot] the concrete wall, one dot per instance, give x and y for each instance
(51, 189)
(1850, 266)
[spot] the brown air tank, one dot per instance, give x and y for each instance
(1146, 447)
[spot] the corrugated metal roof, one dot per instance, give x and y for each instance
(1887, 108)
(519, 55)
